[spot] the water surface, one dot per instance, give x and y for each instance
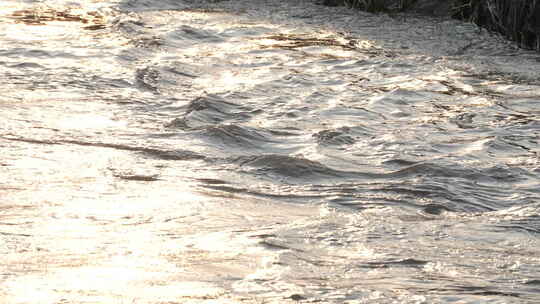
(263, 152)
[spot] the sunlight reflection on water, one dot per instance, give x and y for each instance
(217, 152)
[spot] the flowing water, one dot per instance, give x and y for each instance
(239, 151)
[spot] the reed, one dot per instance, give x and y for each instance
(518, 20)
(378, 6)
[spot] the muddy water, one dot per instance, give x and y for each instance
(263, 152)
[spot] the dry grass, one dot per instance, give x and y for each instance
(42, 17)
(377, 6)
(518, 20)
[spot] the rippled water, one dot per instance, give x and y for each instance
(263, 152)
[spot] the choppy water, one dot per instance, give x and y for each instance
(263, 152)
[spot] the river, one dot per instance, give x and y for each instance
(190, 151)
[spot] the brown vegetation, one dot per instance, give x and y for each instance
(296, 41)
(41, 17)
(518, 20)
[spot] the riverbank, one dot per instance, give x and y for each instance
(517, 20)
